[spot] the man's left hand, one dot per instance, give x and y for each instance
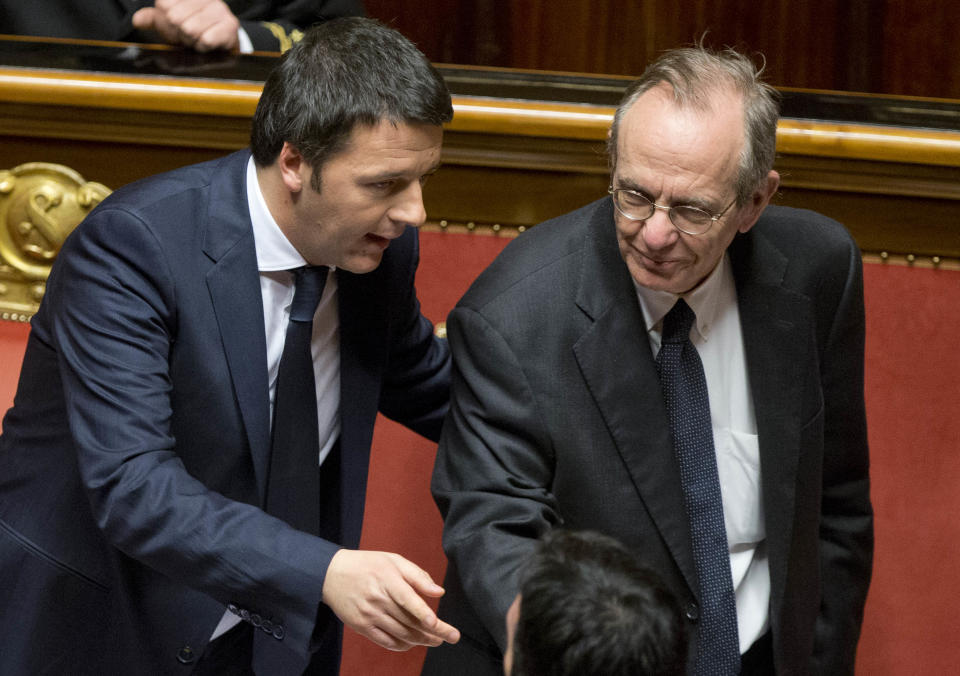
(204, 25)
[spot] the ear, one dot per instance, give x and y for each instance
(759, 200)
(292, 166)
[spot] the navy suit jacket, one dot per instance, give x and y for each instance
(132, 465)
(557, 419)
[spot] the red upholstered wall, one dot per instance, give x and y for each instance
(913, 400)
(13, 341)
(400, 515)
(913, 413)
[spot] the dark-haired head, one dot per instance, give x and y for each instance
(343, 73)
(589, 608)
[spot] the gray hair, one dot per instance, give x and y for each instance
(697, 73)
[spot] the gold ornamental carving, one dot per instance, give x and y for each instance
(40, 204)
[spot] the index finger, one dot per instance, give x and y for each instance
(406, 597)
(418, 578)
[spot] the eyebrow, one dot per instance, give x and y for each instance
(393, 175)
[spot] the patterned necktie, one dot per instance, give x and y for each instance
(688, 408)
(293, 492)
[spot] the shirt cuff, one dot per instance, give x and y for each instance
(246, 44)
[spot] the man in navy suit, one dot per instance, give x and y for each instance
(560, 413)
(134, 464)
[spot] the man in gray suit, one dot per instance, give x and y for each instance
(562, 413)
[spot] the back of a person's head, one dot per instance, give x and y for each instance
(589, 608)
(342, 73)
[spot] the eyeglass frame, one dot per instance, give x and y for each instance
(713, 218)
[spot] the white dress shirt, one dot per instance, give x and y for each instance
(719, 342)
(276, 258)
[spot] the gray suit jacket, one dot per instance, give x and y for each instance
(557, 419)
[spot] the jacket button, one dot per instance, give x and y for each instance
(278, 632)
(256, 620)
(267, 626)
(692, 612)
(186, 655)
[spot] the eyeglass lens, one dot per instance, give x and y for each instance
(637, 207)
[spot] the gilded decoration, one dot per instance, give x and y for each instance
(40, 204)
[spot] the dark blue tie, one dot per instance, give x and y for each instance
(293, 492)
(688, 408)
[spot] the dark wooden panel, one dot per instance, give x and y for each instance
(920, 48)
(903, 47)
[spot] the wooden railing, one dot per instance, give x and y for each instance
(522, 147)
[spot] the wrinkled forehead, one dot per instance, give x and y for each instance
(706, 136)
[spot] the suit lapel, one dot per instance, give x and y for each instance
(234, 286)
(776, 324)
(615, 360)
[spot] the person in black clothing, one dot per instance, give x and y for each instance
(204, 25)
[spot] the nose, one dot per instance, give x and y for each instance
(658, 231)
(409, 209)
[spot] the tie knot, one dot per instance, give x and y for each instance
(677, 323)
(306, 296)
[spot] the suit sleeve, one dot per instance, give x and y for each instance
(114, 316)
(281, 26)
(494, 469)
(416, 381)
(846, 527)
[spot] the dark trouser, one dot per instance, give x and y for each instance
(758, 660)
(231, 653)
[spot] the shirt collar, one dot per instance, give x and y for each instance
(274, 250)
(704, 300)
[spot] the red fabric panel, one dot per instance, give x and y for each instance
(13, 342)
(449, 262)
(913, 412)
(400, 515)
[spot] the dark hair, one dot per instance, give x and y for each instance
(342, 73)
(589, 608)
(694, 73)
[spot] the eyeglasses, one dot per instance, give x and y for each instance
(690, 220)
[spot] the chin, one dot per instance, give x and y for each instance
(653, 282)
(361, 265)
(674, 283)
